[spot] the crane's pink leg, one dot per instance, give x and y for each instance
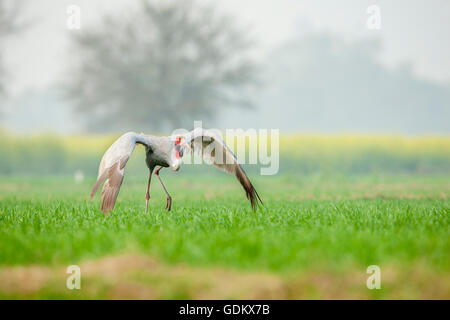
(147, 194)
(169, 198)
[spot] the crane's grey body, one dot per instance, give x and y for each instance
(162, 152)
(158, 153)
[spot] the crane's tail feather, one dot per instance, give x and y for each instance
(112, 185)
(250, 191)
(99, 182)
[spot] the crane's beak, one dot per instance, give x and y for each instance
(175, 167)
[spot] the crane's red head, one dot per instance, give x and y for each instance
(178, 149)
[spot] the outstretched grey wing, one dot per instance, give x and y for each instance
(112, 168)
(214, 151)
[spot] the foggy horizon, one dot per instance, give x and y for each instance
(335, 74)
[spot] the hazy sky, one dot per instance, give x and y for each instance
(412, 32)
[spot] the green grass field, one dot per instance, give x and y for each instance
(314, 238)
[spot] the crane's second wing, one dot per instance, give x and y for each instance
(112, 168)
(214, 151)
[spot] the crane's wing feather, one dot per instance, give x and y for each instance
(112, 168)
(213, 150)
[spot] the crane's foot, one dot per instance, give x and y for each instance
(169, 203)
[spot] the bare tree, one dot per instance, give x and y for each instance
(165, 64)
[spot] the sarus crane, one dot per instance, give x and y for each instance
(163, 152)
